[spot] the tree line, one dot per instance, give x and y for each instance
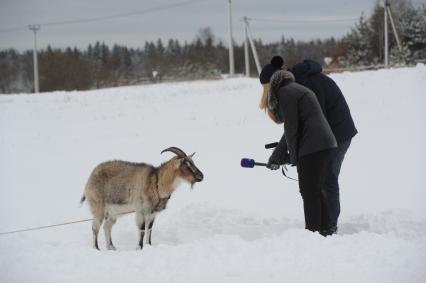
(206, 57)
(364, 44)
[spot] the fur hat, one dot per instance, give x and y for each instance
(279, 79)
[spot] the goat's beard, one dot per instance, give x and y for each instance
(192, 185)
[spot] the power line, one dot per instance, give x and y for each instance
(51, 226)
(123, 15)
(43, 227)
(20, 28)
(302, 20)
(109, 17)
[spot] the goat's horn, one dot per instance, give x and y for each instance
(179, 152)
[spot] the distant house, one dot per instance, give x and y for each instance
(335, 63)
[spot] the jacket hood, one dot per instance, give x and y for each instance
(306, 69)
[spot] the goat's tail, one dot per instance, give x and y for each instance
(83, 198)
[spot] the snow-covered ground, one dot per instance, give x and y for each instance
(238, 225)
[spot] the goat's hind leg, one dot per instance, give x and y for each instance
(96, 225)
(97, 209)
(109, 222)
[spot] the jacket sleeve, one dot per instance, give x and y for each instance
(290, 109)
(280, 151)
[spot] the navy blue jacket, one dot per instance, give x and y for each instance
(333, 103)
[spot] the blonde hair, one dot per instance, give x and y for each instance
(264, 99)
(264, 103)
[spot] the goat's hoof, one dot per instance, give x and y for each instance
(111, 248)
(139, 248)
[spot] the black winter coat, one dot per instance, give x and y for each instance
(330, 98)
(305, 128)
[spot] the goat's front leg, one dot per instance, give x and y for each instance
(149, 222)
(149, 232)
(140, 222)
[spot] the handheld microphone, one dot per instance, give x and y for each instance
(250, 163)
(247, 163)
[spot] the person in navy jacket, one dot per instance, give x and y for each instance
(336, 110)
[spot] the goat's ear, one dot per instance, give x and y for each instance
(192, 155)
(177, 162)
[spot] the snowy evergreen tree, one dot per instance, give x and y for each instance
(400, 57)
(359, 47)
(365, 42)
(413, 26)
(8, 69)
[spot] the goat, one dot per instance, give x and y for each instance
(119, 187)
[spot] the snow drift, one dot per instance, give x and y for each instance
(238, 225)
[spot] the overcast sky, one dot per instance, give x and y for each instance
(179, 22)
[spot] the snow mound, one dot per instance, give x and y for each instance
(238, 225)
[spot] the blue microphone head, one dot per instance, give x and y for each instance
(247, 163)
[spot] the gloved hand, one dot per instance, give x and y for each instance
(273, 166)
(280, 160)
(274, 162)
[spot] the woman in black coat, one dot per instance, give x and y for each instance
(307, 143)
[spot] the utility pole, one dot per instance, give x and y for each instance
(35, 28)
(253, 47)
(394, 28)
(386, 33)
(246, 47)
(231, 43)
(388, 12)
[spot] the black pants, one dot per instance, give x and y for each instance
(312, 170)
(331, 188)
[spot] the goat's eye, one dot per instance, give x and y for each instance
(189, 166)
